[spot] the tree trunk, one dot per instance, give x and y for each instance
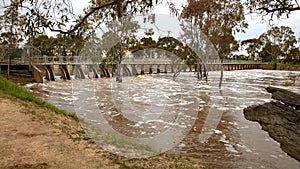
(221, 77)
(118, 73)
(275, 63)
(205, 73)
(275, 66)
(199, 73)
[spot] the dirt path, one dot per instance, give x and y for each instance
(32, 137)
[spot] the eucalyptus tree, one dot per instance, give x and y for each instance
(33, 17)
(278, 41)
(253, 46)
(293, 56)
(269, 51)
(10, 39)
(219, 21)
(43, 43)
(60, 45)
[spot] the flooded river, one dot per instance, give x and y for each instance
(183, 115)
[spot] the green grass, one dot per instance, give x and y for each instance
(105, 138)
(127, 145)
(288, 64)
(240, 62)
(281, 64)
(13, 89)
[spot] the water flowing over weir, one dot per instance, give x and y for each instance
(230, 141)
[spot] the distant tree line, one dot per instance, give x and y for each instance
(278, 44)
(61, 45)
(27, 20)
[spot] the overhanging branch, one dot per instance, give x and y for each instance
(279, 9)
(76, 27)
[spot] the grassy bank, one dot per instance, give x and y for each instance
(45, 112)
(15, 90)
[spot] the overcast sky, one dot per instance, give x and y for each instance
(256, 25)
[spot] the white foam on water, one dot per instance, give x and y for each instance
(244, 147)
(223, 139)
(29, 85)
(217, 131)
(239, 90)
(230, 148)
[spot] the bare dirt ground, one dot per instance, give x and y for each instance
(32, 137)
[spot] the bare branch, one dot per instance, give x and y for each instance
(279, 9)
(86, 16)
(273, 7)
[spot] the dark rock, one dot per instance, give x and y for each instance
(281, 119)
(285, 96)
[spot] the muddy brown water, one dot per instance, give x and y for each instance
(213, 130)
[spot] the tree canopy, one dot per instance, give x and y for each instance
(283, 37)
(278, 42)
(252, 46)
(273, 7)
(60, 45)
(218, 20)
(33, 17)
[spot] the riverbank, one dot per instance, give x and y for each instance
(21, 77)
(36, 136)
(236, 142)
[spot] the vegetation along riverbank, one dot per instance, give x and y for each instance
(36, 134)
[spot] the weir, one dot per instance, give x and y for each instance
(80, 71)
(49, 73)
(49, 67)
(65, 72)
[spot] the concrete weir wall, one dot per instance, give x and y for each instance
(37, 74)
(65, 71)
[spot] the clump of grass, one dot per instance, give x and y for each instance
(160, 161)
(123, 145)
(13, 89)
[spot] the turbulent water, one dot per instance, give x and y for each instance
(188, 117)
